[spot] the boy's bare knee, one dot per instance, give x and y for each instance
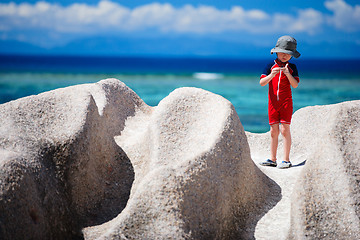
(284, 133)
(285, 130)
(274, 132)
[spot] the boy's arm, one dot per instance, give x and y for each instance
(293, 82)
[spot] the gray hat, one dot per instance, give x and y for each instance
(286, 44)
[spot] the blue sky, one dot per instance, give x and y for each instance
(231, 28)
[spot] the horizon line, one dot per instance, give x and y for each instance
(169, 56)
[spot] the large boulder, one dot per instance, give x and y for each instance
(326, 194)
(326, 198)
(194, 178)
(60, 168)
(69, 157)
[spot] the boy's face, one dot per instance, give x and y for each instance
(283, 57)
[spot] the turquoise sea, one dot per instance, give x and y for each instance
(321, 81)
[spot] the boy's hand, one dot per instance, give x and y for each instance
(286, 70)
(275, 71)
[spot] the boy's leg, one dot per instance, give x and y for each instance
(274, 132)
(285, 131)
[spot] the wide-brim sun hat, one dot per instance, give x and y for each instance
(286, 44)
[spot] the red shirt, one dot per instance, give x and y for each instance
(279, 86)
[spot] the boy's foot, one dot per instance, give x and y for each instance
(268, 163)
(284, 164)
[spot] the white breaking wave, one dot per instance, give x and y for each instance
(207, 76)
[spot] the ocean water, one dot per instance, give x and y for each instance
(321, 81)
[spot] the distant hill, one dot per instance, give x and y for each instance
(158, 46)
(176, 46)
(16, 47)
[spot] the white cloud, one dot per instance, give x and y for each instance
(110, 16)
(309, 20)
(346, 17)
(74, 18)
(152, 15)
(107, 15)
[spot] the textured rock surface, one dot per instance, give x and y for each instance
(194, 178)
(321, 198)
(94, 161)
(60, 168)
(326, 199)
(69, 157)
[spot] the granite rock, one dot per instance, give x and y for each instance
(324, 202)
(194, 178)
(326, 198)
(60, 167)
(94, 161)
(96, 157)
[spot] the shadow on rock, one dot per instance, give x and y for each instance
(299, 164)
(60, 168)
(264, 206)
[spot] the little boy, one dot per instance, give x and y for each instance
(281, 75)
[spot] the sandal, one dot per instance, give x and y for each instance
(268, 163)
(285, 164)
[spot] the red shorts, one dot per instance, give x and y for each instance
(282, 114)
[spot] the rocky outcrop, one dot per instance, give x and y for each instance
(94, 161)
(69, 156)
(60, 167)
(326, 194)
(194, 178)
(326, 198)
